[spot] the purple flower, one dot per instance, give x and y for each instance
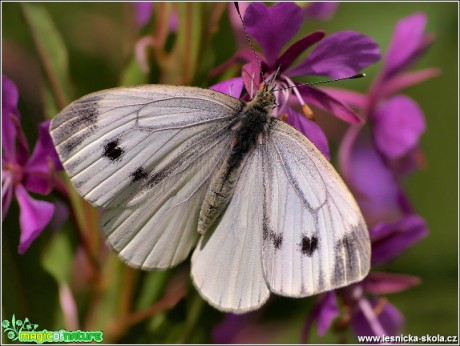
(396, 121)
(320, 11)
(371, 181)
(400, 113)
(324, 312)
(376, 317)
(239, 329)
(144, 10)
(365, 312)
(389, 240)
(23, 172)
(232, 87)
(339, 55)
(390, 147)
(143, 13)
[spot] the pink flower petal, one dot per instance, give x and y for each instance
(143, 11)
(7, 192)
(251, 77)
(387, 283)
(351, 98)
(236, 23)
(339, 55)
(273, 27)
(327, 313)
(408, 39)
(10, 97)
(33, 218)
(372, 183)
(391, 239)
(324, 311)
(320, 11)
(397, 126)
(38, 182)
(330, 104)
(232, 87)
(388, 320)
(311, 130)
(44, 152)
(297, 48)
(408, 79)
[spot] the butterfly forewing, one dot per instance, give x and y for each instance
(146, 154)
(119, 132)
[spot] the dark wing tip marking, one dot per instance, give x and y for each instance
(80, 122)
(112, 150)
(308, 245)
(89, 114)
(139, 174)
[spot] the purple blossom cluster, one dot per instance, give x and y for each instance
(24, 172)
(379, 149)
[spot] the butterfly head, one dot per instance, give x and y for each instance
(265, 97)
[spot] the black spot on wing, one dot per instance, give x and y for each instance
(308, 245)
(139, 174)
(112, 150)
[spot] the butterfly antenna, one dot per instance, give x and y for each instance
(356, 76)
(237, 6)
(275, 75)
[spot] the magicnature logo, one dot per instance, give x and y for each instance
(25, 331)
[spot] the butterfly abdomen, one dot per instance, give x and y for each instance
(248, 133)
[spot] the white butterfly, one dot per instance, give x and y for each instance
(169, 163)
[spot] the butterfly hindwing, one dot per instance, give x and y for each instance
(157, 228)
(315, 238)
(227, 263)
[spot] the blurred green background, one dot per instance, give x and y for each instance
(100, 37)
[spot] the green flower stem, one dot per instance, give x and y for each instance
(77, 215)
(54, 59)
(51, 50)
(193, 316)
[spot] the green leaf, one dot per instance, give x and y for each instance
(57, 257)
(152, 288)
(51, 50)
(28, 290)
(186, 52)
(133, 75)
